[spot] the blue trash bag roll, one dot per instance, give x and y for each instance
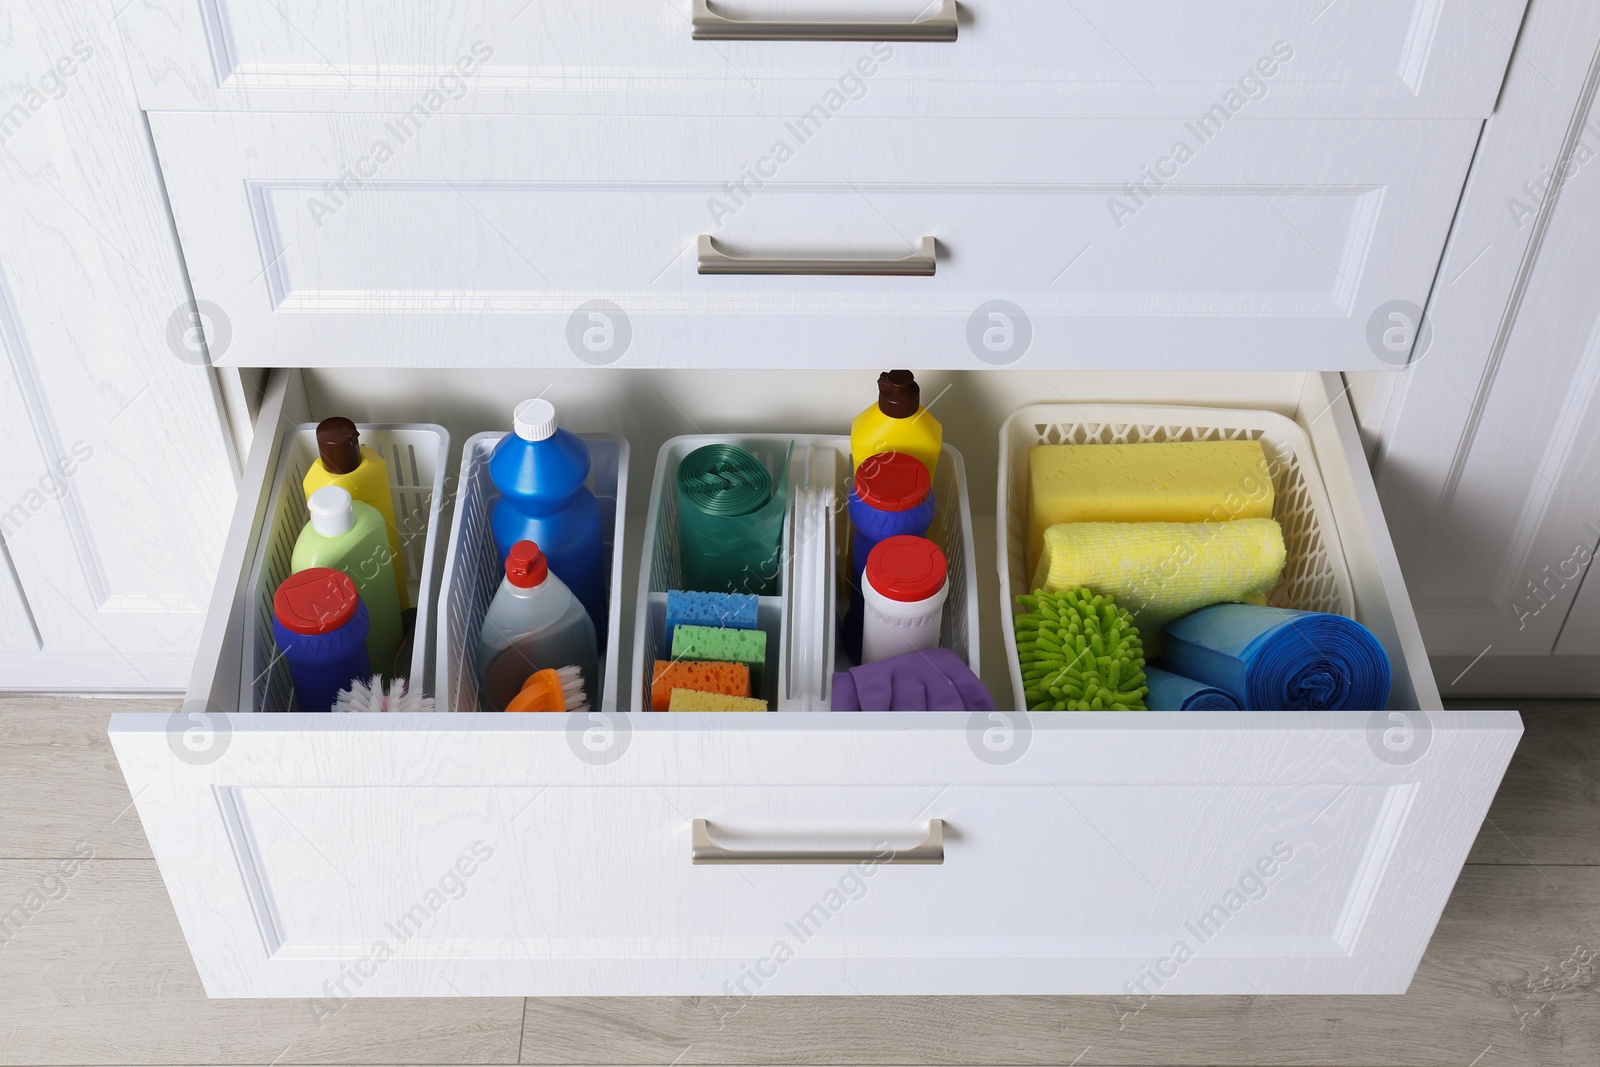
(1277, 658)
(1173, 692)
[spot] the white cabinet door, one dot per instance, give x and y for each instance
(1091, 58)
(470, 240)
(116, 481)
(1488, 468)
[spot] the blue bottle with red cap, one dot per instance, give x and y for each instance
(321, 625)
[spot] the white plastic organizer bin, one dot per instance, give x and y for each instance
(415, 455)
(1315, 577)
(801, 621)
(472, 570)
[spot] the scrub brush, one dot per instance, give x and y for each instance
(369, 695)
(1079, 652)
(552, 689)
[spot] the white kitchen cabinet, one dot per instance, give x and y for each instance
(388, 855)
(1092, 58)
(116, 476)
(483, 240)
(1487, 468)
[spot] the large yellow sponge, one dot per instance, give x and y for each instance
(1167, 481)
(694, 700)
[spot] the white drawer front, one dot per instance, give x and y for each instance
(1093, 58)
(423, 855)
(478, 240)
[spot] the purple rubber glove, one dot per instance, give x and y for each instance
(935, 680)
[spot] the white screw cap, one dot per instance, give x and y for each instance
(534, 420)
(333, 510)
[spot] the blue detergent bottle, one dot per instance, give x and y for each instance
(320, 625)
(542, 473)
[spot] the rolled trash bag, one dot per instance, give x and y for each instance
(1173, 692)
(1278, 658)
(730, 520)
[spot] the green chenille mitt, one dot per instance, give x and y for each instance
(1079, 652)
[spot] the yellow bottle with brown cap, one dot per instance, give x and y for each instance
(344, 461)
(897, 423)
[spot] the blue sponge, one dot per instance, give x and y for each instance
(731, 611)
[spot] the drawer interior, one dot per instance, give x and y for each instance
(651, 407)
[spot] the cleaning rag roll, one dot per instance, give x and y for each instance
(730, 520)
(933, 680)
(1151, 481)
(1173, 692)
(1278, 658)
(1159, 571)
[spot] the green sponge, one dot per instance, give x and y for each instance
(724, 645)
(1079, 652)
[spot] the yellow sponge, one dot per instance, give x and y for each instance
(1168, 481)
(694, 700)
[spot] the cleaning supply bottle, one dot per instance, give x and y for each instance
(320, 625)
(349, 536)
(890, 495)
(344, 461)
(897, 423)
(905, 589)
(534, 622)
(541, 471)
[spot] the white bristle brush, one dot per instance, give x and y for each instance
(552, 689)
(369, 695)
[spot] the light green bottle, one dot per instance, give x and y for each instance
(352, 537)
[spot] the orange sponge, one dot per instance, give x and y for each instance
(729, 679)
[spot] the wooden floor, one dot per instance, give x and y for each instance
(100, 973)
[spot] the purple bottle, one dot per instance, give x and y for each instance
(320, 624)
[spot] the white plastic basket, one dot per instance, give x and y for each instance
(472, 569)
(801, 621)
(1315, 577)
(415, 455)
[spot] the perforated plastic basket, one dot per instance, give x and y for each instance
(415, 454)
(801, 620)
(1315, 577)
(472, 569)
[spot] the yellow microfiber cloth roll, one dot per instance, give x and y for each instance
(1157, 481)
(1160, 571)
(694, 700)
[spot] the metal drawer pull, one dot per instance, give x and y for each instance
(705, 850)
(919, 264)
(710, 26)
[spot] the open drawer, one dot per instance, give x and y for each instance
(1128, 854)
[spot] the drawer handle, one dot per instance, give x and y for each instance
(710, 26)
(919, 264)
(705, 850)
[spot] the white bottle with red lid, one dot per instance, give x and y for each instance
(904, 587)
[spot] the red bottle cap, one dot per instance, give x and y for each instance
(906, 568)
(525, 565)
(317, 600)
(892, 481)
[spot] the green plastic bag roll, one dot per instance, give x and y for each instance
(730, 520)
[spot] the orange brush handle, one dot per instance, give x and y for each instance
(541, 692)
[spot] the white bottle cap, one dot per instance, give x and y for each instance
(534, 420)
(333, 510)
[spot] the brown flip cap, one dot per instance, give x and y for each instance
(339, 444)
(899, 396)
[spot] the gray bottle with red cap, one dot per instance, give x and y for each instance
(533, 623)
